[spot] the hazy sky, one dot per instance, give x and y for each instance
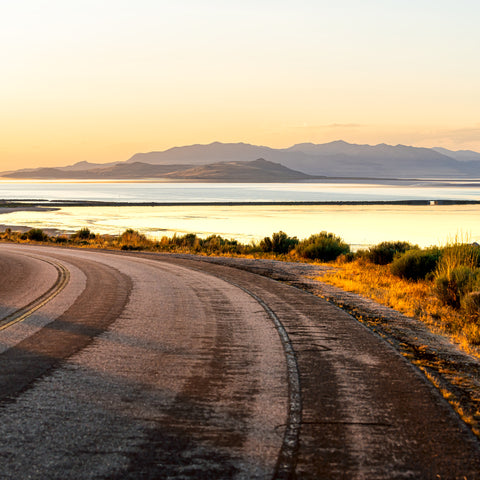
(99, 80)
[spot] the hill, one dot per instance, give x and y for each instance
(259, 170)
(118, 171)
(255, 171)
(334, 159)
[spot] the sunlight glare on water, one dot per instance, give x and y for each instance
(359, 225)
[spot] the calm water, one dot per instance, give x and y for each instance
(227, 192)
(359, 225)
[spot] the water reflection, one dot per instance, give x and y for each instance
(359, 225)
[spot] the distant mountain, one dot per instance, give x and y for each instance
(460, 155)
(255, 171)
(118, 171)
(334, 159)
(205, 154)
(345, 159)
(337, 158)
(130, 170)
(86, 166)
(259, 170)
(46, 172)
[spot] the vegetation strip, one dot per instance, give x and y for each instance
(21, 314)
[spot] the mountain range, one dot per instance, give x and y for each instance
(243, 162)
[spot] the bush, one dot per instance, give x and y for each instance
(132, 247)
(346, 257)
(458, 274)
(452, 286)
(36, 234)
(471, 305)
(279, 243)
(189, 240)
(457, 255)
(322, 246)
(84, 234)
(416, 264)
(216, 243)
(132, 240)
(61, 239)
(384, 253)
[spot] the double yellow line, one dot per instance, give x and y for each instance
(21, 314)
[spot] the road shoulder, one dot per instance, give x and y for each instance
(453, 372)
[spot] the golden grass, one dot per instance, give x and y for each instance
(415, 299)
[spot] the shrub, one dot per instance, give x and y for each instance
(7, 234)
(471, 305)
(36, 234)
(131, 247)
(61, 239)
(216, 243)
(453, 285)
(346, 257)
(84, 234)
(279, 243)
(266, 245)
(458, 273)
(188, 240)
(322, 246)
(457, 255)
(132, 240)
(416, 264)
(384, 253)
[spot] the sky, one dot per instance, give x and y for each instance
(100, 80)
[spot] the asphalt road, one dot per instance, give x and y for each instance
(136, 366)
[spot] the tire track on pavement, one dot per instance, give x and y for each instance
(190, 382)
(63, 277)
(106, 294)
(286, 462)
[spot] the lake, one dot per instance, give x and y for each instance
(359, 225)
(234, 192)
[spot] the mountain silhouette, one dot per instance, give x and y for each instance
(337, 158)
(259, 170)
(333, 159)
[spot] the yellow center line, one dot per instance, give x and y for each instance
(21, 314)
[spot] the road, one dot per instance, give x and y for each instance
(135, 366)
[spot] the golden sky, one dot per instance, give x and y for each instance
(100, 80)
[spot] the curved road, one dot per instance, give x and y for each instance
(135, 366)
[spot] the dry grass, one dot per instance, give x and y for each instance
(458, 252)
(415, 299)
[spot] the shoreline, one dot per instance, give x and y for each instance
(7, 206)
(438, 181)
